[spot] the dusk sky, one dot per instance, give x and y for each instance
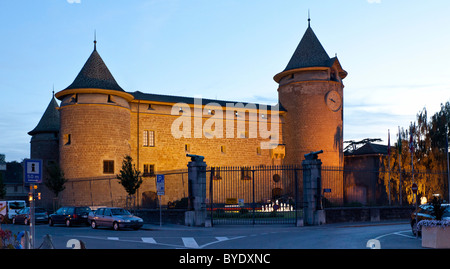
(396, 53)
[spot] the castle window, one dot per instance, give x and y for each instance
(187, 148)
(244, 134)
(108, 167)
(74, 99)
(258, 150)
(222, 149)
(149, 170)
(110, 99)
(148, 139)
(246, 173)
(66, 139)
(217, 175)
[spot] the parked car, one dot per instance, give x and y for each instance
(23, 216)
(70, 215)
(114, 217)
(425, 212)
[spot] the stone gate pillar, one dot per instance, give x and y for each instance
(313, 213)
(196, 214)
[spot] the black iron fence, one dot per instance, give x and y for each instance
(255, 194)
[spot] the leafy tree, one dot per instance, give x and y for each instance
(2, 187)
(129, 176)
(55, 180)
(429, 157)
(438, 209)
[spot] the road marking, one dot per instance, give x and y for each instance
(189, 242)
(396, 233)
(399, 233)
(150, 240)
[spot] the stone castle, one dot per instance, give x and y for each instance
(97, 123)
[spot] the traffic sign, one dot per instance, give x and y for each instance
(32, 171)
(414, 188)
(160, 188)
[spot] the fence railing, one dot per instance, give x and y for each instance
(255, 194)
(258, 188)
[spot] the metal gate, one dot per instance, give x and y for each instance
(255, 195)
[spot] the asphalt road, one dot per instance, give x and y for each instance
(219, 246)
(390, 235)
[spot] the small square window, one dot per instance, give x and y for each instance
(110, 99)
(216, 175)
(108, 167)
(66, 139)
(149, 170)
(246, 173)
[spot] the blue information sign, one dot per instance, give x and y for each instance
(32, 171)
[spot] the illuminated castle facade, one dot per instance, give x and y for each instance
(97, 123)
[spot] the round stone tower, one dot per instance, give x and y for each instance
(311, 91)
(95, 123)
(44, 145)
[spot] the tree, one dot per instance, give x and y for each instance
(129, 176)
(55, 180)
(429, 140)
(2, 187)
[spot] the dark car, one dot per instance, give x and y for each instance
(425, 212)
(70, 215)
(114, 217)
(23, 216)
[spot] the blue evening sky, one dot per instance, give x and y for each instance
(396, 53)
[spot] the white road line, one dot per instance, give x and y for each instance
(189, 242)
(409, 236)
(222, 238)
(395, 233)
(150, 240)
(113, 238)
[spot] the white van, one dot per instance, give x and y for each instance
(10, 208)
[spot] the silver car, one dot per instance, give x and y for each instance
(114, 217)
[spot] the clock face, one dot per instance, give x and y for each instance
(333, 100)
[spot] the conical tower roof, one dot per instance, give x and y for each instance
(95, 74)
(49, 122)
(309, 53)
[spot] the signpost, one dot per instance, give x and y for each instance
(160, 190)
(32, 175)
(414, 189)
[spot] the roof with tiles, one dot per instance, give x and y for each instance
(309, 53)
(189, 100)
(95, 74)
(49, 122)
(369, 149)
